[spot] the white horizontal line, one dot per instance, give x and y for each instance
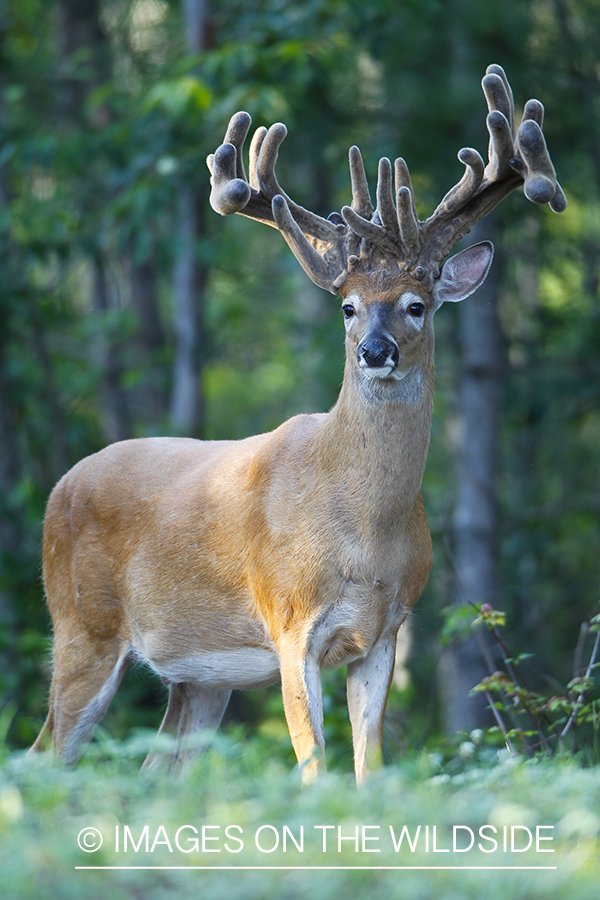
(323, 868)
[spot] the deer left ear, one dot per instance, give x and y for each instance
(463, 273)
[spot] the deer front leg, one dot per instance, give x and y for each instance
(303, 705)
(368, 686)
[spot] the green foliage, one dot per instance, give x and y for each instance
(492, 618)
(555, 724)
(458, 620)
(44, 808)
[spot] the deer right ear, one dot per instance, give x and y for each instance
(463, 273)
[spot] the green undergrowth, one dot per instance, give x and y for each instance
(238, 824)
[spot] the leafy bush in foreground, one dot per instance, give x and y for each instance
(234, 810)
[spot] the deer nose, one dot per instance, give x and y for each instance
(376, 353)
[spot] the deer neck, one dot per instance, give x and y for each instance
(374, 442)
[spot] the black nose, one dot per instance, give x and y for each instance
(377, 352)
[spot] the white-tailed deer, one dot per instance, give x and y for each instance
(235, 564)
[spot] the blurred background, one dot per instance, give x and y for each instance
(128, 308)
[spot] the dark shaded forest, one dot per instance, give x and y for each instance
(128, 308)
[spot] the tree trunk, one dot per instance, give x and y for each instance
(189, 277)
(150, 397)
(117, 419)
(188, 284)
(195, 14)
(79, 27)
(475, 519)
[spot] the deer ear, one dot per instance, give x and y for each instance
(463, 273)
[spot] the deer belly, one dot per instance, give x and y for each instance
(240, 668)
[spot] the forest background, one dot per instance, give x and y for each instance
(129, 308)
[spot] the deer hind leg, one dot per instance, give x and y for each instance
(87, 673)
(193, 715)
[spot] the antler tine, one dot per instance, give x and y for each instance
(406, 210)
(500, 122)
(236, 134)
(402, 179)
(361, 199)
(267, 158)
(462, 192)
(255, 146)
(505, 103)
(534, 113)
(229, 193)
(535, 166)
(534, 110)
(385, 201)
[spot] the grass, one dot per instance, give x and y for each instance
(246, 806)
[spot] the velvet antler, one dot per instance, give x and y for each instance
(390, 234)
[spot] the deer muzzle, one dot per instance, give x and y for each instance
(378, 356)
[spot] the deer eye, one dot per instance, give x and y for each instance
(416, 310)
(348, 310)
